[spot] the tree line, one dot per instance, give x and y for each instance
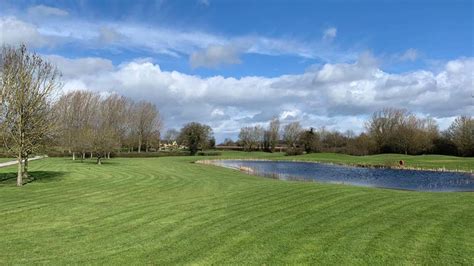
(36, 117)
(91, 123)
(389, 130)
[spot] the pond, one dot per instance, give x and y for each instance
(359, 176)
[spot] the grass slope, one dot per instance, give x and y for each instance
(169, 210)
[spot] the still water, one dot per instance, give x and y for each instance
(371, 177)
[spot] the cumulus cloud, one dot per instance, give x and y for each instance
(215, 55)
(14, 32)
(330, 33)
(77, 68)
(42, 11)
(338, 96)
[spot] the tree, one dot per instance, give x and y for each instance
(382, 127)
(291, 134)
(171, 135)
(461, 132)
(334, 141)
(228, 142)
(75, 111)
(146, 121)
(212, 143)
(129, 138)
(360, 145)
(406, 135)
(443, 144)
(245, 138)
(273, 133)
(27, 86)
(396, 130)
(195, 136)
(310, 141)
(251, 137)
(109, 125)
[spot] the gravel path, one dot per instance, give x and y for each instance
(16, 161)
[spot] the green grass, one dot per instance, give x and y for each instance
(171, 211)
(3, 160)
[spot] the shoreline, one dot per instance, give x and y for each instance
(360, 165)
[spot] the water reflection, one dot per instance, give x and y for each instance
(376, 177)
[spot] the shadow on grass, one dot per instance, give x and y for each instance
(94, 162)
(35, 176)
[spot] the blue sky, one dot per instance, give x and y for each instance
(331, 62)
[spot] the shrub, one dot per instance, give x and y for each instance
(149, 154)
(294, 151)
(209, 153)
(124, 154)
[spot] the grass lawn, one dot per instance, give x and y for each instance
(3, 160)
(170, 211)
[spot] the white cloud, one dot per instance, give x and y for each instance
(335, 95)
(330, 33)
(204, 2)
(42, 10)
(108, 35)
(76, 68)
(14, 32)
(409, 55)
(214, 56)
(205, 46)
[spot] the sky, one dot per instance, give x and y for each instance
(231, 64)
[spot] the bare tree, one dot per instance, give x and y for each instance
(146, 122)
(171, 135)
(360, 145)
(291, 134)
(75, 111)
(382, 127)
(129, 136)
(251, 137)
(245, 137)
(406, 133)
(273, 133)
(461, 132)
(396, 130)
(28, 83)
(113, 123)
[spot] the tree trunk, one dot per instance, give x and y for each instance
(146, 146)
(19, 177)
(99, 161)
(139, 144)
(25, 167)
(108, 155)
(92, 155)
(73, 156)
(83, 155)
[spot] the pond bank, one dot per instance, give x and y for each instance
(401, 179)
(361, 165)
